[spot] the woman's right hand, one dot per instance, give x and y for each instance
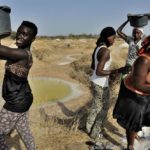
(125, 69)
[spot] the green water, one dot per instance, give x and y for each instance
(48, 90)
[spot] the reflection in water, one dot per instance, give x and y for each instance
(48, 89)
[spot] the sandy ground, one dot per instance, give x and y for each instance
(61, 126)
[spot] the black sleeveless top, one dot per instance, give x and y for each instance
(16, 90)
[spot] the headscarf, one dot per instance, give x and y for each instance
(140, 29)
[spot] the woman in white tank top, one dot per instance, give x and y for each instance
(99, 81)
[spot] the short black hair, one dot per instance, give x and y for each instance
(30, 25)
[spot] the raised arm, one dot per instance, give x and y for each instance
(140, 73)
(7, 53)
(120, 33)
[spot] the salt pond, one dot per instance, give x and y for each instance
(49, 90)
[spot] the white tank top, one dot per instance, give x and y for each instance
(100, 80)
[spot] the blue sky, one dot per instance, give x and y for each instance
(63, 17)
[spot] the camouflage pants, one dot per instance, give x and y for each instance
(19, 121)
(98, 111)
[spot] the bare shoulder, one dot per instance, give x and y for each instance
(24, 53)
(104, 51)
(103, 54)
(142, 62)
(16, 54)
(145, 59)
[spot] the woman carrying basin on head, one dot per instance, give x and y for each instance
(137, 22)
(16, 89)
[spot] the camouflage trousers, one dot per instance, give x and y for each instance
(98, 111)
(19, 121)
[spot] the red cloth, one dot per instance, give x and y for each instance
(140, 51)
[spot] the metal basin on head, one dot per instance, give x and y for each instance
(138, 20)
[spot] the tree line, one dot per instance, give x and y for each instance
(70, 36)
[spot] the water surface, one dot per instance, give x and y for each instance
(48, 89)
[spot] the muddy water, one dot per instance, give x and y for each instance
(46, 90)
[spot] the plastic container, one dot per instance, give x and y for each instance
(5, 24)
(138, 20)
(147, 14)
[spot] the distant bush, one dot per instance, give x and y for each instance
(81, 36)
(70, 36)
